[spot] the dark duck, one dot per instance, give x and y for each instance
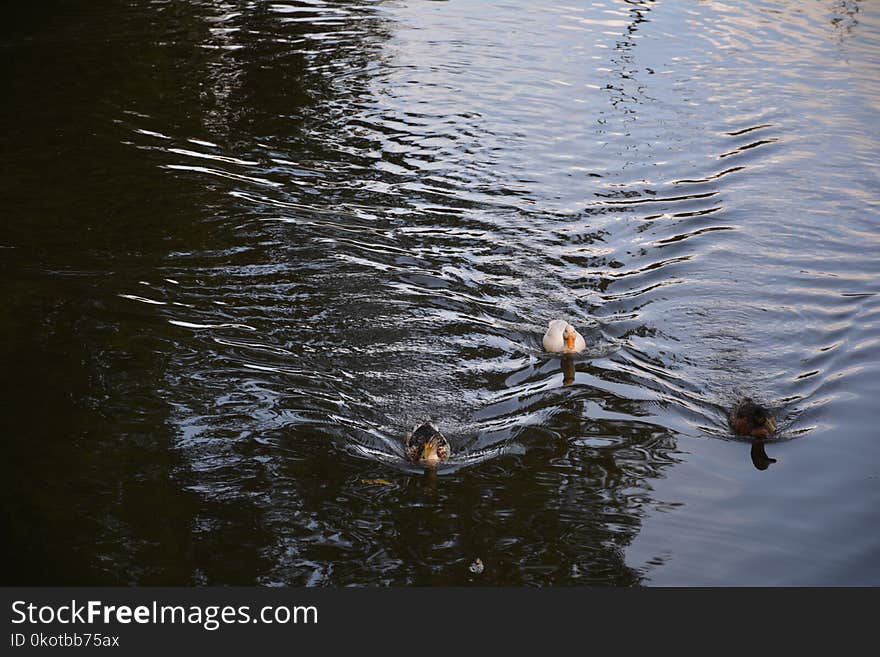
(426, 446)
(750, 419)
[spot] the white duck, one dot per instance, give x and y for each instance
(561, 337)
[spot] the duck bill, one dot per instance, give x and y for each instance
(429, 453)
(569, 342)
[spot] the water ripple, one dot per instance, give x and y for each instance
(389, 247)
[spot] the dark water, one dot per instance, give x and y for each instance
(246, 246)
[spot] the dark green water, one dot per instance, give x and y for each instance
(246, 246)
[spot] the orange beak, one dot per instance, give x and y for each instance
(429, 452)
(569, 341)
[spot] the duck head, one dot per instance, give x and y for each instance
(568, 334)
(426, 446)
(751, 419)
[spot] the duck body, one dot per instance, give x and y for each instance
(750, 419)
(562, 338)
(426, 446)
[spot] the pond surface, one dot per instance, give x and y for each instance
(248, 245)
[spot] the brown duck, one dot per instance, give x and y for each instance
(426, 446)
(750, 419)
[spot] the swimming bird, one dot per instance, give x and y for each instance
(561, 337)
(426, 446)
(750, 419)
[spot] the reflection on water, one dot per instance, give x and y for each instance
(759, 455)
(260, 242)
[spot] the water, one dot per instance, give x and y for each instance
(247, 246)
